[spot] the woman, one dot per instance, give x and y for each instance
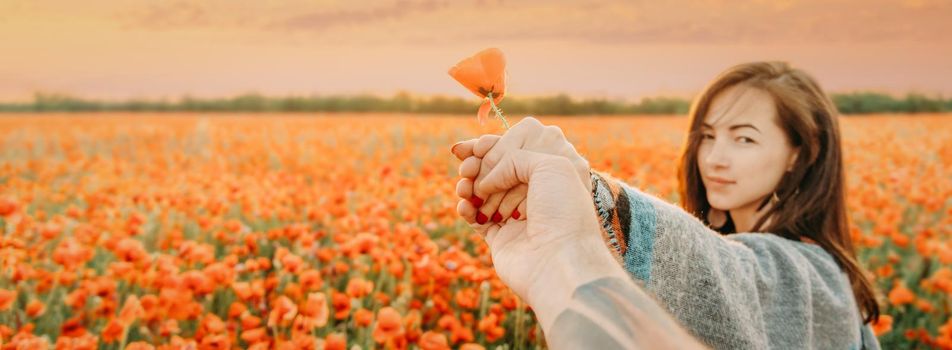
(759, 256)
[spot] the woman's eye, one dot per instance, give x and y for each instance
(707, 136)
(746, 139)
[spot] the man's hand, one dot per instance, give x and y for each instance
(558, 247)
(480, 155)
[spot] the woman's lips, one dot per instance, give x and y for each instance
(720, 181)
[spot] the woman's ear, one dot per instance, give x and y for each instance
(793, 159)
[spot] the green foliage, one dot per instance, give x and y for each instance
(872, 102)
(561, 104)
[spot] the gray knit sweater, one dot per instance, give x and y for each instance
(739, 291)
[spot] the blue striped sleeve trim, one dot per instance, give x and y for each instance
(641, 235)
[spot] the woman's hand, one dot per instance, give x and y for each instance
(558, 247)
(480, 155)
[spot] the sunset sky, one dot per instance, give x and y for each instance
(617, 49)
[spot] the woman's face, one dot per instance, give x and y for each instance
(743, 152)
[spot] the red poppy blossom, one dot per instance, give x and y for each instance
(482, 74)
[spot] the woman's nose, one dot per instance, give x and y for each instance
(716, 156)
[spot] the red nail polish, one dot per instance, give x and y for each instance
(477, 202)
(515, 214)
(481, 218)
(497, 217)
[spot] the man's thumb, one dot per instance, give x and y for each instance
(514, 168)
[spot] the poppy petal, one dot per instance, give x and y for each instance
(483, 113)
(501, 89)
(470, 73)
(494, 66)
(483, 72)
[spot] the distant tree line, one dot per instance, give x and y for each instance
(562, 104)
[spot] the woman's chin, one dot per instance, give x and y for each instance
(718, 204)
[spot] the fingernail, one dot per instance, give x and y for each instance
(453, 149)
(516, 214)
(497, 217)
(481, 218)
(477, 202)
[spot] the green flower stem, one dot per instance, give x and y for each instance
(125, 334)
(497, 110)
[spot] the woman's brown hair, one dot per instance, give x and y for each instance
(811, 198)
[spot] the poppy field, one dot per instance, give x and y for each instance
(298, 231)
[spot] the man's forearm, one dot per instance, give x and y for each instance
(586, 300)
(575, 265)
(614, 313)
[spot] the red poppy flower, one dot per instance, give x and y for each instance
(483, 73)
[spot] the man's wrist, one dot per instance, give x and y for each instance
(573, 265)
